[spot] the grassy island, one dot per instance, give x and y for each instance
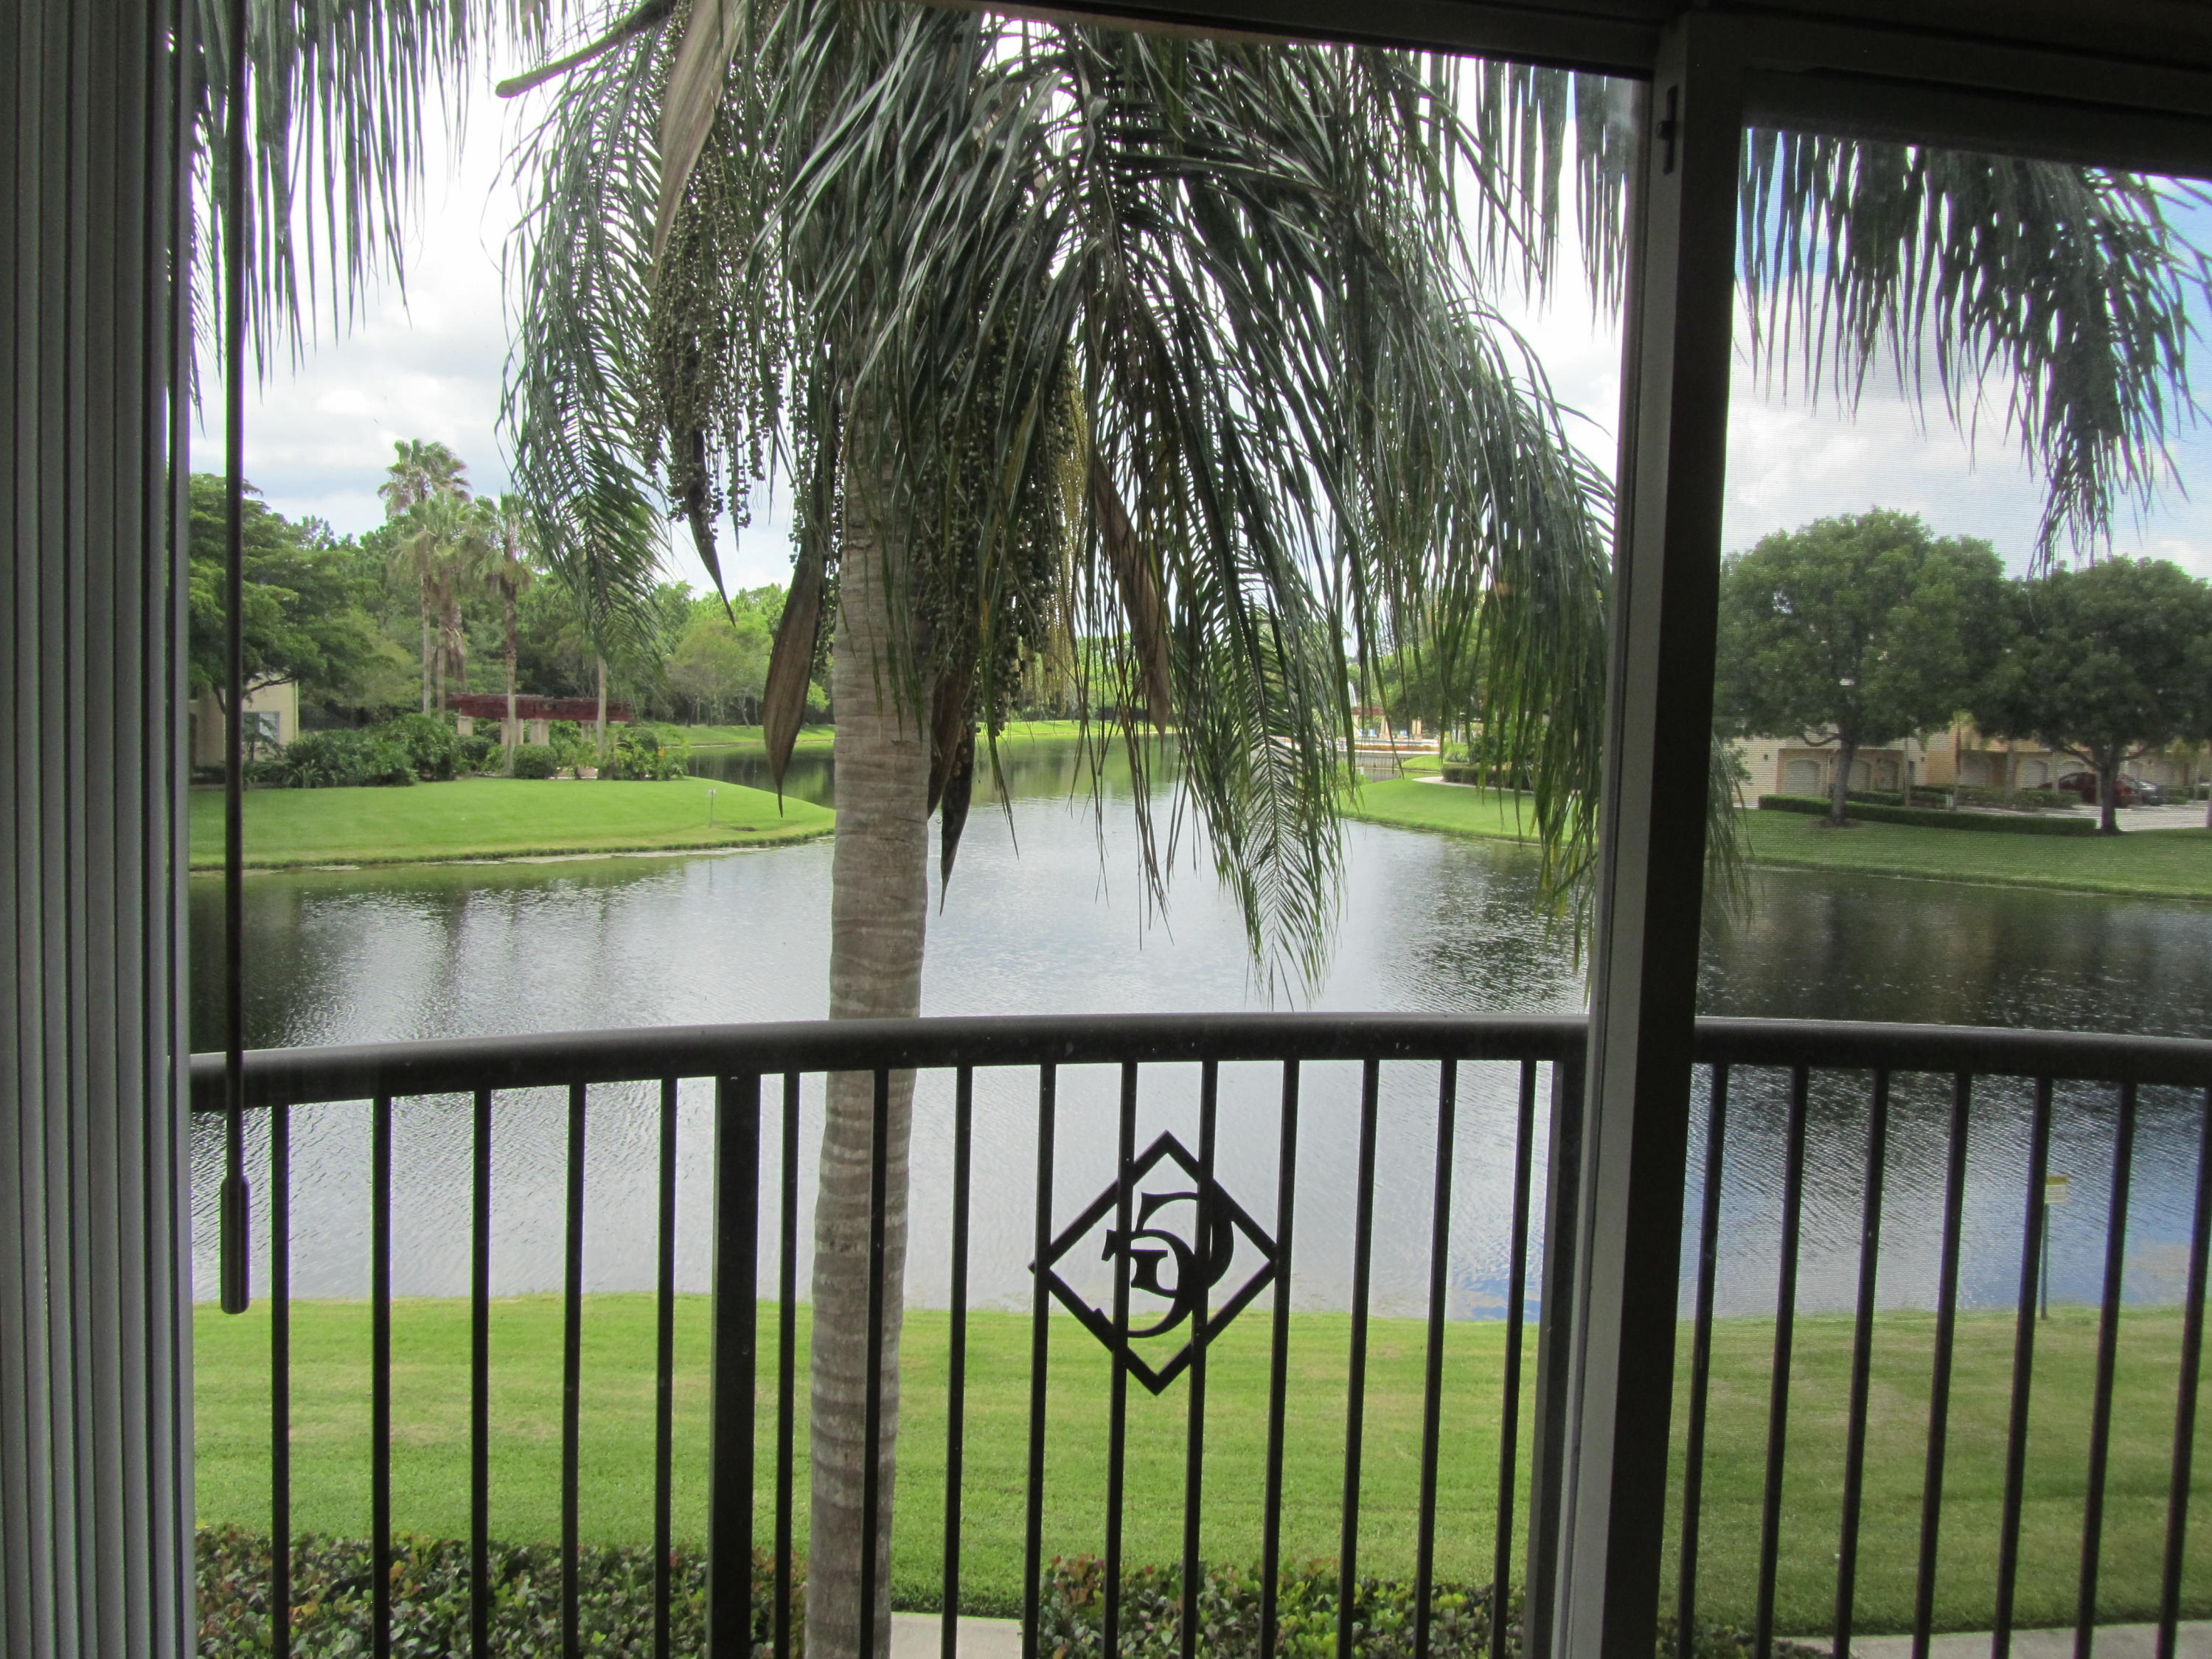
(497, 819)
(2140, 864)
(817, 739)
(1452, 809)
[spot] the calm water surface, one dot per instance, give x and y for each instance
(1045, 914)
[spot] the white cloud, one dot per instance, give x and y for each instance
(424, 365)
(1790, 462)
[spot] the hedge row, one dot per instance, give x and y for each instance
(1933, 818)
(331, 1605)
(1970, 794)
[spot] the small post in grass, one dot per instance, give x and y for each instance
(710, 808)
(2055, 1189)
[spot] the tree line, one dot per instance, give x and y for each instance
(1865, 629)
(450, 594)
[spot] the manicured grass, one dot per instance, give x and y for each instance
(822, 737)
(2144, 863)
(331, 1392)
(748, 736)
(2150, 863)
(1454, 809)
(495, 818)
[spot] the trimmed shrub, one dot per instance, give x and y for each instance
(430, 1605)
(1488, 777)
(535, 759)
(1934, 819)
(1970, 794)
(1071, 1616)
(480, 753)
(330, 1602)
(337, 760)
(433, 745)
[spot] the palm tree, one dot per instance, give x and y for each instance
(510, 537)
(1176, 351)
(1171, 348)
(423, 471)
(444, 550)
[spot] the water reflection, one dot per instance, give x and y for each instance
(1044, 913)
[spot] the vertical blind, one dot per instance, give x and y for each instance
(95, 1405)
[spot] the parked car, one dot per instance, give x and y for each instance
(2126, 791)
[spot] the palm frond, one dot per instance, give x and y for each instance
(2062, 293)
(574, 410)
(344, 95)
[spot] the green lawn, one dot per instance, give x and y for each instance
(2146, 863)
(495, 818)
(748, 736)
(331, 1407)
(2151, 863)
(1455, 809)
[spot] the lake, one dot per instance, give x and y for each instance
(1045, 914)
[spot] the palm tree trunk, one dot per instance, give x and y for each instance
(879, 908)
(599, 725)
(429, 645)
(508, 735)
(457, 650)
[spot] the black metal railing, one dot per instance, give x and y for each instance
(1741, 1061)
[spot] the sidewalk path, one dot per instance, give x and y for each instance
(921, 1636)
(2191, 1639)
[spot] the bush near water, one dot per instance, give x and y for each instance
(428, 748)
(430, 1606)
(1930, 817)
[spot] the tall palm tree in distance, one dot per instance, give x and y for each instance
(1176, 360)
(443, 548)
(510, 537)
(423, 471)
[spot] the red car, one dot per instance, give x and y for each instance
(2126, 791)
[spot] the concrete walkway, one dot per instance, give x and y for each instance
(921, 1636)
(2181, 816)
(2191, 1640)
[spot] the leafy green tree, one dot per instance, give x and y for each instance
(304, 617)
(2106, 663)
(1855, 631)
(719, 663)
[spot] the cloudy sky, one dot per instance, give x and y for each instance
(429, 364)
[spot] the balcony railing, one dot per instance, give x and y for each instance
(1319, 1103)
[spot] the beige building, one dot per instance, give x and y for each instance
(1936, 760)
(272, 719)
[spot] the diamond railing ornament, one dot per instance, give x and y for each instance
(1182, 1244)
